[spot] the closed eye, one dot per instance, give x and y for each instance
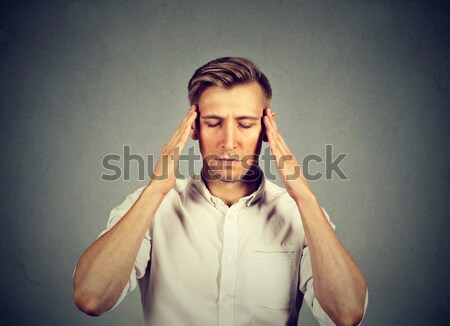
(246, 126)
(240, 125)
(218, 123)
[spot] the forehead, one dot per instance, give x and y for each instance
(246, 98)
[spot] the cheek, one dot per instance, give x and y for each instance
(255, 134)
(252, 140)
(206, 132)
(205, 142)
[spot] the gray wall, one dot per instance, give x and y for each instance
(81, 79)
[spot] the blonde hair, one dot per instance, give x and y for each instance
(227, 72)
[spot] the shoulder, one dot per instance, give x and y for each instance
(178, 194)
(119, 211)
(179, 188)
(284, 203)
(181, 185)
(277, 194)
(277, 200)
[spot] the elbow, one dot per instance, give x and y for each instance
(350, 318)
(88, 303)
(345, 315)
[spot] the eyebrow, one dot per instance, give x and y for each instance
(242, 117)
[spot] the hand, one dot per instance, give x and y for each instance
(287, 164)
(164, 174)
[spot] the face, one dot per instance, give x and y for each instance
(229, 130)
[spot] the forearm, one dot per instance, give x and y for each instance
(105, 267)
(339, 284)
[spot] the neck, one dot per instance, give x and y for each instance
(231, 191)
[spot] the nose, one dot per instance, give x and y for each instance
(229, 137)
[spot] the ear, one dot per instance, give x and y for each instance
(193, 132)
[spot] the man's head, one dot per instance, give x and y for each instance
(230, 94)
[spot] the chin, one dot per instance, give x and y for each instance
(212, 171)
(224, 176)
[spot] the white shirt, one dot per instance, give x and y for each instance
(204, 263)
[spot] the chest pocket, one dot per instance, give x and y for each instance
(273, 276)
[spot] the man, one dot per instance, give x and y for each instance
(229, 247)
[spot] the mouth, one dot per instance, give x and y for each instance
(229, 159)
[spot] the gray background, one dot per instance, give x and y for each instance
(81, 79)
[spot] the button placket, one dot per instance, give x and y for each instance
(229, 268)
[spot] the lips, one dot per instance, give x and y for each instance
(228, 160)
(233, 157)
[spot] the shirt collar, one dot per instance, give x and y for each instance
(200, 185)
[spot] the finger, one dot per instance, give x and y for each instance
(180, 126)
(272, 128)
(271, 137)
(277, 132)
(272, 120)
(187, 121)
(184, 130)
(280, 150)
(278, 145)
(183, 138)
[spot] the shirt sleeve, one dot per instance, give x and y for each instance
(143, 255)
(306, 285)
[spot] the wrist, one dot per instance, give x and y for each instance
(155, 189)
(307, 198)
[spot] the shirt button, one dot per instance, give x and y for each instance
(226, 298)
(228, 257)
(231, 217)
